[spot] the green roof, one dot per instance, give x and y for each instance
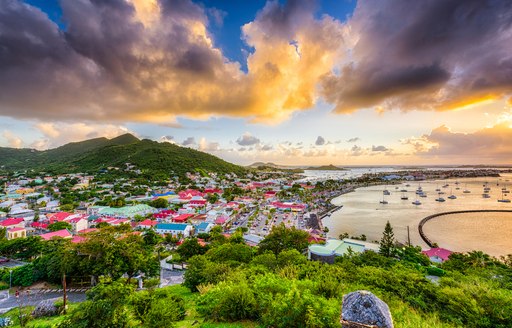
(336, 247)
(126, 211)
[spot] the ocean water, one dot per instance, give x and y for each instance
(492, 233)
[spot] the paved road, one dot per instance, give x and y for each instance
(35, 298)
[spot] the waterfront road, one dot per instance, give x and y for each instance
(34, 298)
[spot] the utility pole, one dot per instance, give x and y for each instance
(64, 298)
(408, 237)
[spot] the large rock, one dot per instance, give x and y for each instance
(46, 308)
(363, 309)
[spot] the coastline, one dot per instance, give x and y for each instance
(364, 215)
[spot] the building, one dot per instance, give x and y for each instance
(174, 229)
(13, 223)
(204, 227)
(335, 247)
(13, 233)
(438, 255)
(64, 233)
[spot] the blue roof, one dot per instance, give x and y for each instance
(171, 226)
(203, 225)
(165, 194)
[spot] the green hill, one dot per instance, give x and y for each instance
(95, 154)
(325, 168)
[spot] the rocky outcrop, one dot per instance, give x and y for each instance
(362, 309)
(47, 308)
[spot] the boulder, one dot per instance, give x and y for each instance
(362, 309)
(46, 308)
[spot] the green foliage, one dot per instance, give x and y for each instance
(159, 203)
(59, 226)
(95, 154)
(190, 247)
(282, 238)
(105, 307)
(387, 243)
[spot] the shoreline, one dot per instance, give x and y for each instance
(428, 241)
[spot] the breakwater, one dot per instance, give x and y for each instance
(428, 241)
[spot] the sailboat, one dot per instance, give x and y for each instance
(503, 199)
(404, 196)
(466, 190)
(416, 202)
(383, 201)
(439, 198)
(452, 196)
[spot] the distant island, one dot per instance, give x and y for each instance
(329, 167)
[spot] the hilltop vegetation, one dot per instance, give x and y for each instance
(95, 154)
(230, 284)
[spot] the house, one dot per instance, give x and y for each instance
(78, 223)
(204, 227)
(147, 224)
(13, 223)
(174, 229)
(335, 247)
(64, 233)
(182, 218)
(17, 232)
(438, 255)
(57, 217)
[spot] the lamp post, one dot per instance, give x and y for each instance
(10, 282)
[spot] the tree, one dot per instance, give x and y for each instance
(159, 203)
(191, 247)
(106, 306)
(281, 238)
(59, 226)
(387, 243)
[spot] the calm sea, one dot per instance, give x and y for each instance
(492, 233)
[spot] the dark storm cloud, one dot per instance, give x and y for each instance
(107, 64)
(320, 141)
(189, 141)
(247, 140)
(379, 148)
(425, 54)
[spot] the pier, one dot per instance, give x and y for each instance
(430, 217)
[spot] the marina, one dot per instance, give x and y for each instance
(363, 214)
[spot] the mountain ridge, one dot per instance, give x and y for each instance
(94, 154)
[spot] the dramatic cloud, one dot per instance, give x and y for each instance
(320, 141)
(189, 141)
(379, 148)
(56, 134)
(247, 140)
(207, 146)
(357, 151)
(12, 140)
(424, 55)
(356, 139)
(169, 139)
(153, 61)
(488, 144)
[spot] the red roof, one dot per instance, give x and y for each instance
(220, 220)
(212, 191)
(64, 233)
(41, 225)
(11, 221)
(148, 222)
(442, 253)
(15, 229)
(57, 217)
(182, 217)
(189, 193)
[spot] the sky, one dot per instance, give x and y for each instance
(298, 82)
